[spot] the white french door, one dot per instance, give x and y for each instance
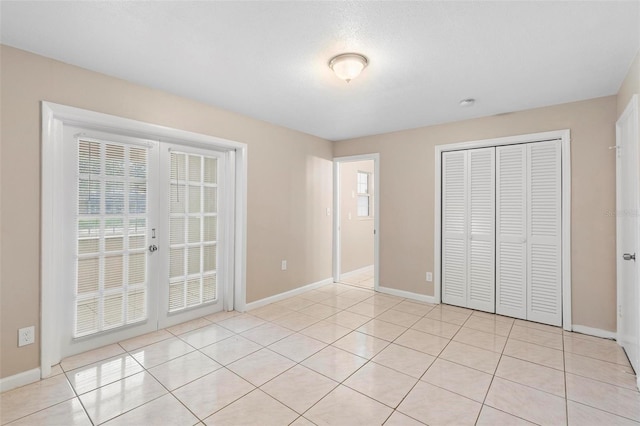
(193, 181)
(141, 236)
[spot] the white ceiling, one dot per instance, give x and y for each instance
(268, 60)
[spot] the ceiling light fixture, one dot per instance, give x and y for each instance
(467, 102)
(348, 66)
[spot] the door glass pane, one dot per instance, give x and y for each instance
(111, 256)
(193, 230)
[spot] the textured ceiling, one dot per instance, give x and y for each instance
(268, 60)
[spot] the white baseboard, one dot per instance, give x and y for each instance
(407, 294)
(281, 296)
(20, 379)
(595, 332)
(355, 272)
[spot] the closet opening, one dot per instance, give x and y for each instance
(502, 228)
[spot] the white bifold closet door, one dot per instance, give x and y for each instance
(468, 228)
(529, 232)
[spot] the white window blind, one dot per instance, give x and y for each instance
(111, 262)
(193, 222)
(363, 194)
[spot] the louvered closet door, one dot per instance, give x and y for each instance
(481, 229)
(511, 231)
(544, 240)
(454, 228)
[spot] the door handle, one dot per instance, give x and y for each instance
(628, 256)
(153, 248)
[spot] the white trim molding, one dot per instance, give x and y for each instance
(55, 118)
(285, 295)
(407, 294)
(375, 157)
(20, 379)
(565, 139)
(596, 332)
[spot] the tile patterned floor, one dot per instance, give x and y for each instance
(340, 355)
(363, 278)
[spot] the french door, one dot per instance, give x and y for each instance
(141, 237)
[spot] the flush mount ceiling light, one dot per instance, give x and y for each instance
(467, 102)
(348, 66)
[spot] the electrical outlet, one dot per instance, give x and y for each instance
(26, 336)
(328, 211)
(284, 265)
(429, 276)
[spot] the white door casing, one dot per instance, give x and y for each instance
(628, 232)
(336, 255)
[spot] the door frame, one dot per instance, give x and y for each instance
(54, 118)
(565, 139)
(630, 112)
(375, 157)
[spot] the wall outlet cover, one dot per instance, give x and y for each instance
(26, 336)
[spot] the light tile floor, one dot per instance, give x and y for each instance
(363, 278)
(340, 355)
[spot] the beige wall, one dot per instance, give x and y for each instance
(289, 185)
(356, 233)
(407, 197)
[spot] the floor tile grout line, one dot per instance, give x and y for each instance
(493, 376)
(603, 410)
(76, 396)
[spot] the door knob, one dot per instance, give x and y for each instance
(628, 256)
(153, 248)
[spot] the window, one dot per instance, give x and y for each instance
(364, 198)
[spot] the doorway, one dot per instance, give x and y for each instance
(142, 228)
(356, 221)
(628, 232)
(542, 162)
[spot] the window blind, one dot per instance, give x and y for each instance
(111, 261)
(193, 233)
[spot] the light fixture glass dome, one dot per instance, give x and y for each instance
(348, 66)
